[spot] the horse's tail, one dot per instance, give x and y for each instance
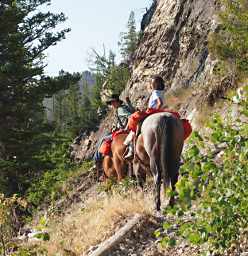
(165, 136)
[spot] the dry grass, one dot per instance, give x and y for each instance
(88, 226)
(220, 106)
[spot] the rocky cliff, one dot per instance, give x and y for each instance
(175, 46)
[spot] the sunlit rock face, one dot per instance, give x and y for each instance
(174, 45)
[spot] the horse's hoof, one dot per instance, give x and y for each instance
(102, 178)
(158, 214)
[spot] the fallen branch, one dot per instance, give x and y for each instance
(105, 247)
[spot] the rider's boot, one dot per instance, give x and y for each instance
(128, 155)
(129, 142)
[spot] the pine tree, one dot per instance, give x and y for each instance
(129, 39)
(59, 112)
(74, 102)
(103, 63)
(26, 33)
(108, 71)
(96, 92)
(118, 78)
(89, 112)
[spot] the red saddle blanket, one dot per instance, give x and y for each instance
(116, 133)
(137, 116)
(105, 148)
(187, 128)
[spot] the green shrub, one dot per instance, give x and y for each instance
(218, 187)
(34, 250)
(48, 187)
(111, 186)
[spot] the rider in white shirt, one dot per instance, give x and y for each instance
(155, 102)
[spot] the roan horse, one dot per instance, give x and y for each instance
(158, 149)
(115, 166)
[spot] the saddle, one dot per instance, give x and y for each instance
(137, 119)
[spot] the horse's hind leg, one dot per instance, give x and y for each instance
(130, 170)
(156, 172)
(157, 192)
(174, 180)
(108, 168)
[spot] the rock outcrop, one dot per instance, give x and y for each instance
(174, 45)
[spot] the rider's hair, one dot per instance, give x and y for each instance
(158, 83)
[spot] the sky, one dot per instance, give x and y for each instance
(94, 24)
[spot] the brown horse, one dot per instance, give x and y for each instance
(158, 149)
(115, 166)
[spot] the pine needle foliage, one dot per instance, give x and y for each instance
(129, 39)
(26, 33)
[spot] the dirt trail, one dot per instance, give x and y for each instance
(89, 209)
(141, 241)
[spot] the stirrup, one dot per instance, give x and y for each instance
(129, 156)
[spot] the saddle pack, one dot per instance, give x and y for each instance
(105, 147)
